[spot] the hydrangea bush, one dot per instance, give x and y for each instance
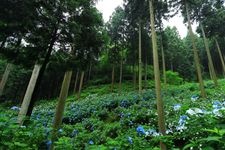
(123, 121)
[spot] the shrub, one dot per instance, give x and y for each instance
(173, 78)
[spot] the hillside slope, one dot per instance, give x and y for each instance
(123, 121)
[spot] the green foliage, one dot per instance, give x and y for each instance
(173, 78)
(64, 143)
(16, 84)
(13, 136)
(109, 121)
(215, 140)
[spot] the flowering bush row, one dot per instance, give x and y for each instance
(124, 121)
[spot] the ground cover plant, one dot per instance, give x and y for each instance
(124, 121)
(72, 78)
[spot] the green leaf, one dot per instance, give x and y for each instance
(189, 146)
(211, 138)
(208, 148)
(20, 144)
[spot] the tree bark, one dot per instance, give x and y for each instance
(146, 68)
(113, 76)
(61, 104)
(163, 63)
(5, 77)
(81, 84)
(221, 56)
(210, 72)
(140, 63)
(146, 71)
(171, 65)
(89, 71)
(196, 58)
(41, 73)
(29, 91)
(121, 73)
(160, 109)
(75, 84)
(211, 66)
(134, 75)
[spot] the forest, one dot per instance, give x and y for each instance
(69, 80)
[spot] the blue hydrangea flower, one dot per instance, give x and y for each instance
(47, 131)
(194, 97)
(75, 132)
(48, 144)
(152, 132)
(124, 103)
(182, 120)
(176, 107)
(122, 115)
(130, 140)
(60, 130)
(91, 142)
(130, 123)
(217, 112)
(38, 117)
(140, 130)
(217, 105)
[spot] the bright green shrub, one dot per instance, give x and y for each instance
(173, 78)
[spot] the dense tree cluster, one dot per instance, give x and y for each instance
(67, 40)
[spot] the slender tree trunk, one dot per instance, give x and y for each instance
(211, 66)
(146, 71)
(196, 58)
(134, 75)
(160, 109)
(113, 76)
(210, 72)
(146, 68)
(89, 71)
(121, 73)
(221, 56)
(5, 77)
(81, 84)
(75, 84)
(28, 94)
(134, 71)
(140, 63)
(23, 91)
(164, 63)
(41, 73)
(171, 65)
(61, 105)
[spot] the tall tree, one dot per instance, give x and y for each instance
(5, 77)
(14, 25)
(56, 23)
(160, 109)
(221, 55)
(116, 29)
(139, 61)
(211, 16)
(210, 64)
(27, 97)
(61, 104)
(184, 6)
(196, 58)
(198, 11)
